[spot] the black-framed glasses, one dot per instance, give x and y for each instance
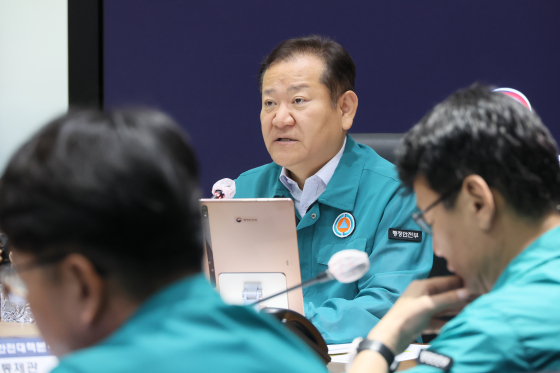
(419, 216)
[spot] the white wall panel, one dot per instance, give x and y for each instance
(33, 68)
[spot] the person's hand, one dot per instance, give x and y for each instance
(425, 306)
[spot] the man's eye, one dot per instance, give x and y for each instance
(299, 101)
(268, 103)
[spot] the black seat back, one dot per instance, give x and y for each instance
(384, 144)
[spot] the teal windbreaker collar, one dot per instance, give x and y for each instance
(343, 188)
(539, 252)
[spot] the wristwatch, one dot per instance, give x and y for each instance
(359, 344)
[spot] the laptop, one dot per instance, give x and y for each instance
(251, 250)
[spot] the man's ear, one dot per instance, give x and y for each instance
(85, 288)
(481, 200)
(348, 104)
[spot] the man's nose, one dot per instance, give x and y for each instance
(283, 117)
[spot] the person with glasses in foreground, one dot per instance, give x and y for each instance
(486, 176)
(102, 214)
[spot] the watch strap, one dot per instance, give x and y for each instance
(376, 346)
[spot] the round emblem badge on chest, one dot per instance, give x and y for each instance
(344, 225)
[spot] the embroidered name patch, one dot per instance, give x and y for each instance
(435, 360)
(403, 234)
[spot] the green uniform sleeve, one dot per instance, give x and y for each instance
(480, 339)
(393, 265)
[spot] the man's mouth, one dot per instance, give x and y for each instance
(284, 139)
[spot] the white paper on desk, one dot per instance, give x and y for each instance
(411, 352)
(340, 359)
(339, 349)
(340, 352)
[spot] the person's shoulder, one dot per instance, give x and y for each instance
(157, 339)
(62, 368)
(267, 170)
(521, 309)
(536, 289)
(258, 182)
(479, 335)
(376, 165)
(510, 329)
(168, 347)
(378, 183)
(92, 359)
(481, 319)
(530, 302)
(379, 177)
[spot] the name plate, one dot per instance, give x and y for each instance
(26, 355)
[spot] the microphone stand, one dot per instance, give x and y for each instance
(321, 277)
(297, 323)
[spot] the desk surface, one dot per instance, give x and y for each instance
(13, 329)
(407, 364)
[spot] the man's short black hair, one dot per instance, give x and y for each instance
(120, 188)
(339, 73)
(476, 131)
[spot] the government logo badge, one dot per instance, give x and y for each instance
(344, 225)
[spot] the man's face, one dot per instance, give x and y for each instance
(48, 305)
(301, 129)
(456, 236)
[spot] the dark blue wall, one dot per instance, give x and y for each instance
(199, 61)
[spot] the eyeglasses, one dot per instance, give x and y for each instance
(419, 216)
(13, 287)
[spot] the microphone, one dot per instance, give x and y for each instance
(223, 189)
(345, 266)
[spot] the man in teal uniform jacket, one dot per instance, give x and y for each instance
(486, 174)
(345, 195)
(103, 216)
